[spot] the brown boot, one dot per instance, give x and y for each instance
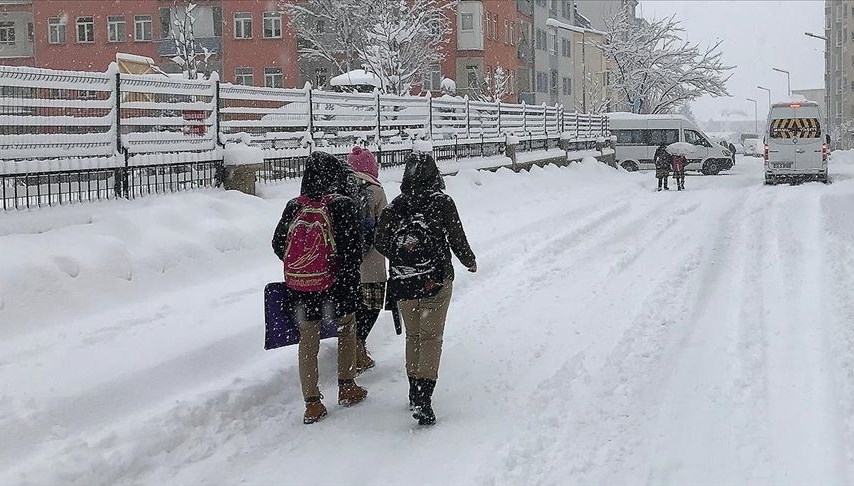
(363, 359)
(349, 393)
(314, 411)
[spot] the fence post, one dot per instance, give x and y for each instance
(218, 108)
(468, 119)
(546, 123)
(379, 111)
(429, 116)
(524, 118)
(310, 118)
(499, 117)
(562, 119)
(121, 175)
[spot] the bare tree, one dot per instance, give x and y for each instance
(655, 69)
(331, 30)
(403, 40)
(494, 87)
(189, 52)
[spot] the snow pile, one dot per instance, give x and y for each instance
(242, 154)
(66, 259)
(356, 77)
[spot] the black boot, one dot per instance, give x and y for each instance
(413, 392)
(424, 402)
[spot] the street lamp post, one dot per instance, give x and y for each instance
(755, 115)
(769, 96)
(828, 84)
(788, 78)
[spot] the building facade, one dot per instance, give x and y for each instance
(545, 47)
(839, 70)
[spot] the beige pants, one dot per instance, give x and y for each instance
(424, 320)
(309, 346)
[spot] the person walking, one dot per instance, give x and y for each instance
(417, 232)
(372, 201)
(319, 240)
(662, 166)
(731, 149)
(678, 163)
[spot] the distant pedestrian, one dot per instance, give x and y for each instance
(319, 239)
(662, 166)
(417, 232)
(678, 163)
(732, 152)
(371, 201)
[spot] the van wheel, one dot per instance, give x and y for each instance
(629, 166)
(712, 167)
(770, 180)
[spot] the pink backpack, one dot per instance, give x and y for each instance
(310, 257)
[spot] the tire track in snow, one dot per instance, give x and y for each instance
(639, 348)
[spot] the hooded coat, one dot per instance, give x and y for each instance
(662, 161)
(324, 175)
(421, 190)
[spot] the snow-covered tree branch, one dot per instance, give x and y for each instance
(403, 40)
(494, 87)
(189, 53)
(655, 70)
(331, 30)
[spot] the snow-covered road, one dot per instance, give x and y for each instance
(613, 335)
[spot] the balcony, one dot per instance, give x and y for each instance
(166, 47)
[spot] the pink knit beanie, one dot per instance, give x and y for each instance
(362, 160)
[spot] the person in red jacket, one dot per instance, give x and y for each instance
(678, 163)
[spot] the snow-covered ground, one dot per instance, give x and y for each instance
(612, 335)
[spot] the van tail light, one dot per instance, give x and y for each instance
(824, 151)
(766, 152)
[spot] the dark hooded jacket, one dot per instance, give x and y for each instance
(421, 190)
(661, 159)
(322, 176)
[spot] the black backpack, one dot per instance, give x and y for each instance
(363, 201)
(416, 259)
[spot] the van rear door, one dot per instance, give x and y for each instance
(807, 139)
(781, 150)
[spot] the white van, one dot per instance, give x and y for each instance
(638, 136)
(795, 146)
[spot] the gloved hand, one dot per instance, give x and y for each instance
(368, 224)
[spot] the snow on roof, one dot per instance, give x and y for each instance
(794, 98)
(560, 25)
(356, 77)
(121, 56)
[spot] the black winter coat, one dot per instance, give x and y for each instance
(323, 176)
(421, 190)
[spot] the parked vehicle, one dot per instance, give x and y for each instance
(639, 135)
(795, 143)
(753, 147)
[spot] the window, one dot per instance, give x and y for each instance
(165, 22)
(512, 33)
(553, 83)
(56, 30)
(273, 77)
(321, 75)
(553, 7)
(495, 27)
(488, 25)
(666, 137)
(542, 82)
(565, 48)
(116, 28)
(565, 10)
(272, 25)
(694, 138)
(217, 21)
(541, 41)
(795, 128)
(85, 29)
(631, 137)
(30, 31)
(567, 86)
(243, 75)
(506, 32)
(7, 33)
(432, 79)
(142, 28)
(553, 43)
(467, 22)
(243, 25)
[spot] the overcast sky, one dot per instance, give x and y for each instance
(757, 35)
